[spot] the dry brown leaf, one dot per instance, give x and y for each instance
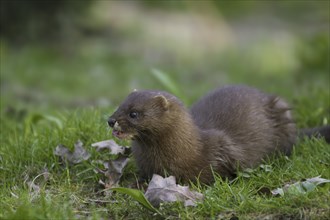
(111, 145)
(113, 171)
(166, 190)
(78, 155)
(300, 187)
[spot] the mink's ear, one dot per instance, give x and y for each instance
(162, 101)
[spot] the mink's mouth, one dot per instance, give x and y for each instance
(118, 131)
(120, 134)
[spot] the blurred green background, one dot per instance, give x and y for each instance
(70, 54)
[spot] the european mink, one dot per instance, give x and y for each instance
(232, 127)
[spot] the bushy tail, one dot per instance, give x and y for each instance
(318, 132)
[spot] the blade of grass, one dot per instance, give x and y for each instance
(138, 196)
(168, 83)
(37, 117)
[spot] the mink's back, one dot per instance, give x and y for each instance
(256, 123)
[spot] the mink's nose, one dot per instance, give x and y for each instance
(111, 122)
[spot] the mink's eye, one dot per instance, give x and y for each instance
(133, 115)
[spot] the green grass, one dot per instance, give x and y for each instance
(73, 191)
(81, 89)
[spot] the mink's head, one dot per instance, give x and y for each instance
(143, 113)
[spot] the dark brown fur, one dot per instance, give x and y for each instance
(231, 127)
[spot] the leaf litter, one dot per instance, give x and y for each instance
(111, 145)
(113, 169)
(78, 155)
(162, 190)
(300, 187)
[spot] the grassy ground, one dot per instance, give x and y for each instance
(79, 86)
(27, 146)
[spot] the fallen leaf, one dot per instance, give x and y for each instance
(113, 168)
(278, 191)
(318, 180)
(111, 145)
(113, 171)
(300, 187)
(78, 155)
(166, 190)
